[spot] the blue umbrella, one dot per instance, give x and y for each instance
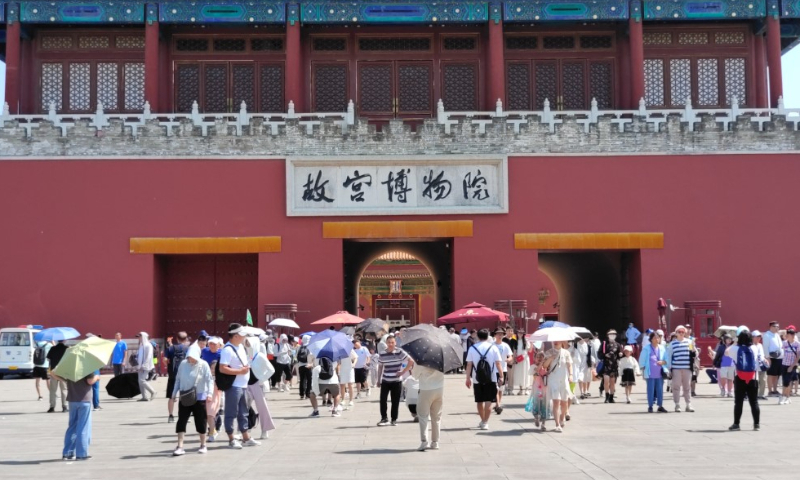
(330, 344)
(310, 334)
(552, 323)
(56, 334)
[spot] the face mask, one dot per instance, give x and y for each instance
(612, 337)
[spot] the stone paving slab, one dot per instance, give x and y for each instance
(620, 441)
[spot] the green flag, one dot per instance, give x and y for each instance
(249, 318)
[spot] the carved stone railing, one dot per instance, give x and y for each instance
(243, 134)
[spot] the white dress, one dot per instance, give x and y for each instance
(522, 376)
(558, 378)
(347, 373)
(583, 373)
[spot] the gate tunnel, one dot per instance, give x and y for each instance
(594, 288)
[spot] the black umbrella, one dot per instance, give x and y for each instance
(432, 347)
(348, 330)
(372, 325)
(124, 386)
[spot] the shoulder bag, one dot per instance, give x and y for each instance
(189, 397)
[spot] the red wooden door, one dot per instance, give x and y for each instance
(236, 290)
(395, 89)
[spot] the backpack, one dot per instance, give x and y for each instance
(302, 354)
(745, 360)
(178, 355)
(38, 356)
(483, 370)
(326, 368)
(224, 381)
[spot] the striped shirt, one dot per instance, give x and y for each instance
(680, 354)
(392, 365)
(790, 351)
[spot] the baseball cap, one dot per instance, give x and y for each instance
(791, 329)
(756, 333)
(628, 348)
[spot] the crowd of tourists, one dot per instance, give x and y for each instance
(223, 384)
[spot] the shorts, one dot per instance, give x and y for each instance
(485, 392)
(331, 388)
(726, 373)
(361, 375)
(775, 367)
(788, 376)
(40, 372)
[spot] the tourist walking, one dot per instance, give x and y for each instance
(347, 377)
(762, 364)
(484, 370)
(429, 405)
(538, 403)
(361, 368)
(40, 366)
(558, 363)
(726, 371)
(791, 348)
(679, 365)
(506, 356)
(118, 355)
(632, 337)
(744, 356)
(56, 384)
(79, 431)
(175, 354)
(610, 351)
(390, 372)
(233, 362)
(255, 390)
(283, 364)
(328, 381)
(304, 368)
(584, 365)
(522, 364)
(774, 350)
(144, 365)
(628, 370)
(193, 386)
(211, 355)
(652, 363)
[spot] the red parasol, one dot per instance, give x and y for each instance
(339, 318)
(474, 312)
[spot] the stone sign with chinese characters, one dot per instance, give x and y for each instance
(388, 185)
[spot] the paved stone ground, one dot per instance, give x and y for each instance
(133, 440)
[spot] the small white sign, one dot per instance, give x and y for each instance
(396, 185)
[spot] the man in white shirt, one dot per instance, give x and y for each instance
(361, 366)
(773, 348)
(506, 356)
(485, 389)
(233, 361)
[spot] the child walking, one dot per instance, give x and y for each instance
(411, 387)
(538, 405)
(628, 369)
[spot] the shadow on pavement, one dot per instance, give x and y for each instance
(30, 462)
(377, 451)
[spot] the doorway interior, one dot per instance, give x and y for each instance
(598, 290)
(396, 278)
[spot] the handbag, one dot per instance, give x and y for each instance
(529, 404)
(189, 397)
(133, 360)
(252, 417)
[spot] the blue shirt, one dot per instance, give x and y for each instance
(118, 355)
(209, 356)
(632, 334)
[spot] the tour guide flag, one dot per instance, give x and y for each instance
(249, 318)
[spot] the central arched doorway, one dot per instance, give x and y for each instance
(424, 270)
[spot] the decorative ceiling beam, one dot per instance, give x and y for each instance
(565, 10)
(391, 12)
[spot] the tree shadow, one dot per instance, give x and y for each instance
(502, 433)
(377, 451)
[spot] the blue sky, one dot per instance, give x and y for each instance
(791, 72)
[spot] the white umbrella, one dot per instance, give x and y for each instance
(723, 329)
(553, 334)
(284, 322)
(581, 332)
(252, 331)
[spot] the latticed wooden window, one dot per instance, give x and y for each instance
(191, 45)
(53, 42)
(80, 86)
(595, 42)
(693, 38)
(244, 86)
(414, 88)
(460, 43)
(330, 88)
(134, 86)
(266, 44)
(601, 84)
(108, 85)
(375, 82)
(735, 80)
(654, 82)
(94, 42)
(680, 81)
(215, 98)
(230, 45)
(271, 82)
(572, 85)
(707, 82)
(52, 85)
(394, 44)
(546, 78)
(329, 44)
(187, 84)
(559, 43)
(132, 42)
(460, 87)
(518, 77)
(657, 38)
(729, 38)
(522, 42)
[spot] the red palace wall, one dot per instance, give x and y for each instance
(729, 226)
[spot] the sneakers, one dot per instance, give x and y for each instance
(678, 408)
(662, 410)
(383, 422)
(416, 419)
(264, 436)
(394, 423)
(212, 437)
(782, 400)
(64, 409)
(314, 414)
(689, 409)
(178, 452)
(435, 445)
(51, 410)
(202, 450)
(350, 404)
(485, 426)
(422, 447)
(336, 414)
(649, 409)
(730, 395)
(97, 408)
(734, 427)
(235, 444)
(480, 426)
(756, 427)
(252, 442)
(558, 429)
(69, 457)
(171, 419)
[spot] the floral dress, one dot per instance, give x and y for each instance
(538, 404)
(610, 352)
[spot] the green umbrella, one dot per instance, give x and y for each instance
(84, 358)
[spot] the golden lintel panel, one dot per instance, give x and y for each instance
(185, 245)
(410, 229)
(588, 241)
